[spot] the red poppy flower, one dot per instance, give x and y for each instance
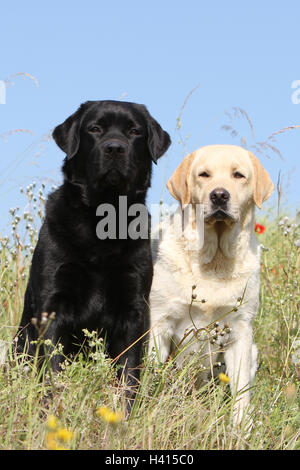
(259, 229)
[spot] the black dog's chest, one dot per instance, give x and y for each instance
(109, 276)
(105, 298)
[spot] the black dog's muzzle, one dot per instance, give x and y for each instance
(114, 148)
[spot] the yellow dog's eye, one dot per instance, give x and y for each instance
(204, 174)
(237, 174)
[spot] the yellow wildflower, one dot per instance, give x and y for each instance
(108, 415)
(52, 423)
(64, 435)
(224, 378)
(51, 441)
(56, 435)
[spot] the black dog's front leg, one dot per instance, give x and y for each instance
(132, 317)
(127, 348)
(56, 323)
(34, 331)
(55, 330)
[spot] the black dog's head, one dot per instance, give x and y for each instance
(110, 146)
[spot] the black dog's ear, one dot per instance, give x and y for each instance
(67, 134)
(158, 139)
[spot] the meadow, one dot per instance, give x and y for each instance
(82, 406)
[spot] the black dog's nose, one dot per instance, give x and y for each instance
(219, 196)
(114, 147)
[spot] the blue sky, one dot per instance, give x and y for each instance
(241, 54)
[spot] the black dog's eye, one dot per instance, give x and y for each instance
(95, 129)
(134, 131)
(237, 174)
(204, 174)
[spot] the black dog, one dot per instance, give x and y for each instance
(92, 283)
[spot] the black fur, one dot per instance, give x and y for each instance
(90, 283)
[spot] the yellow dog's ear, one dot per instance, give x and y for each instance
(178, 184)
(263, 186)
